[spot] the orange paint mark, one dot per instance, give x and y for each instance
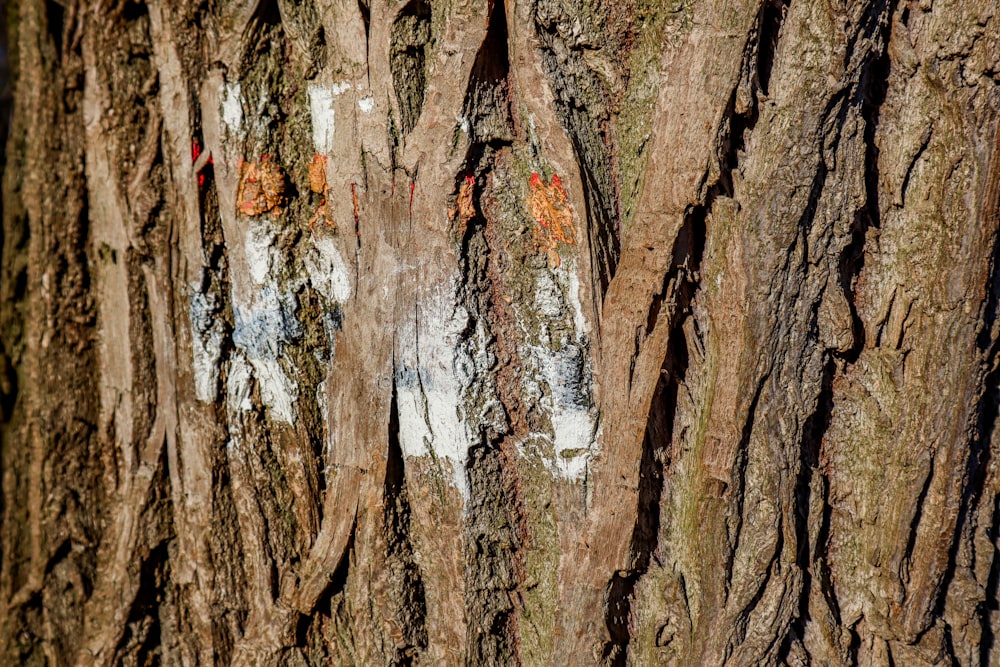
(261, 188)
(317, 174)
(317, 183)
(466, 210)
(550, 209)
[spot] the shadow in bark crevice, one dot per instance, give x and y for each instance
(769, 22)
(140, 639)
(409, 39)
(867, 98)
(406, 598)
(494, 528)
(588, 128)
(487, 105)
(982, 445)
(655, 461)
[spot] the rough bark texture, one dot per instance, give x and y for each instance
(514, 332)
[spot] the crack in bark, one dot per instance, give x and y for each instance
(408, 606)
(653, 468)
(687, 255)
(587, 126)
(410, 38)
(494, 564)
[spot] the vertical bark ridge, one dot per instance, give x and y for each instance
(897, 622)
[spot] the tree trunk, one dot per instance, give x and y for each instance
(489, 333)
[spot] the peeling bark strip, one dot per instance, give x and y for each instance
(498, 333)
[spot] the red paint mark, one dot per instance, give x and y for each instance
(195, 154)
(556, 181)
(536, 180)
(469, 178)
(413, 186)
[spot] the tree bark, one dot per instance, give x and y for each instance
(511, 332)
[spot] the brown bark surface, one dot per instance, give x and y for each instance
(533, 332)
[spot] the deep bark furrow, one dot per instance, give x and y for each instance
(408, 604)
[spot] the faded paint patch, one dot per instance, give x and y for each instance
(366, 104)
(265, 327)
(261, 331)
(321, 99)
(327, 271)
(428, 392)
(207, 335)
(579, 321)
(238, 385)
(575, 432)
(232, 107)
(568, 402)
(259, 245)
(558, 373)
(278, 391)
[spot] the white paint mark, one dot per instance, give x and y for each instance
(278, 391)
(579, 322)
(428, 393)
(574, 436)
(258, 246)
(265, 322)
(234, 446)
(321, 397)
(238, 385)
(574, 422)
(206, 367)
(558, 372)
(548, 298)
(232, 107)
(321, 108)
(206, 343)
(366, 104)
(321, 99)
(463, 123)
(327, 271)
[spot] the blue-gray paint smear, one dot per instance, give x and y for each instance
(264, 329)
